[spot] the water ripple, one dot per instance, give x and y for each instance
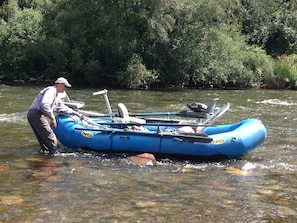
(276, 102)
(16, 118)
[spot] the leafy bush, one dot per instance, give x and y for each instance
(226, 61)
(259, 64)
(285, 73)
(136, 75)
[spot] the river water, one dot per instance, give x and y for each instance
(84, 186)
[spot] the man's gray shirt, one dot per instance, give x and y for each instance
(49, 100)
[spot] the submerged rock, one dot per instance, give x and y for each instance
(235, 171)
(45, 170)
(143, 159)
(11, 200)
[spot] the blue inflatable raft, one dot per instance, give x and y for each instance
(162, 139)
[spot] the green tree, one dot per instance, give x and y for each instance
(271, 24)
(19, 35)
(136, 76)
(142, 44)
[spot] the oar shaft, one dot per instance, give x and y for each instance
(155, 114)
(150, 124)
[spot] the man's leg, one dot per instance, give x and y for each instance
(48, 137)
(43, 132)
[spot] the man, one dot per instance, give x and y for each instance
(45, 103)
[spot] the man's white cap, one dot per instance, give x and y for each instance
(62, 80)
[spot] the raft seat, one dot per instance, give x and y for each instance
(124, 116)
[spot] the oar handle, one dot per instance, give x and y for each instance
(104, 92)
(100, 92)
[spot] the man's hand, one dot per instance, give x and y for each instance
(53, 123)
(81, 116)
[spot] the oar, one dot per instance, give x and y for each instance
(84, 118)
(100, 115)
(154, 114)
(102, 123)
(189, 138)
(194, 138)
(201, 138)
(92, 122)
(217, 114)
(92, 114)
(151, 124)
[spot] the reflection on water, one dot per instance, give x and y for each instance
(84, 186)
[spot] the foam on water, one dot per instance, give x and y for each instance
(248, 166)
(17, 118)
(276, 102)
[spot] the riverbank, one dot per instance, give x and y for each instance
(43, 81)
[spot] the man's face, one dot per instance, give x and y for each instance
(61, 87)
